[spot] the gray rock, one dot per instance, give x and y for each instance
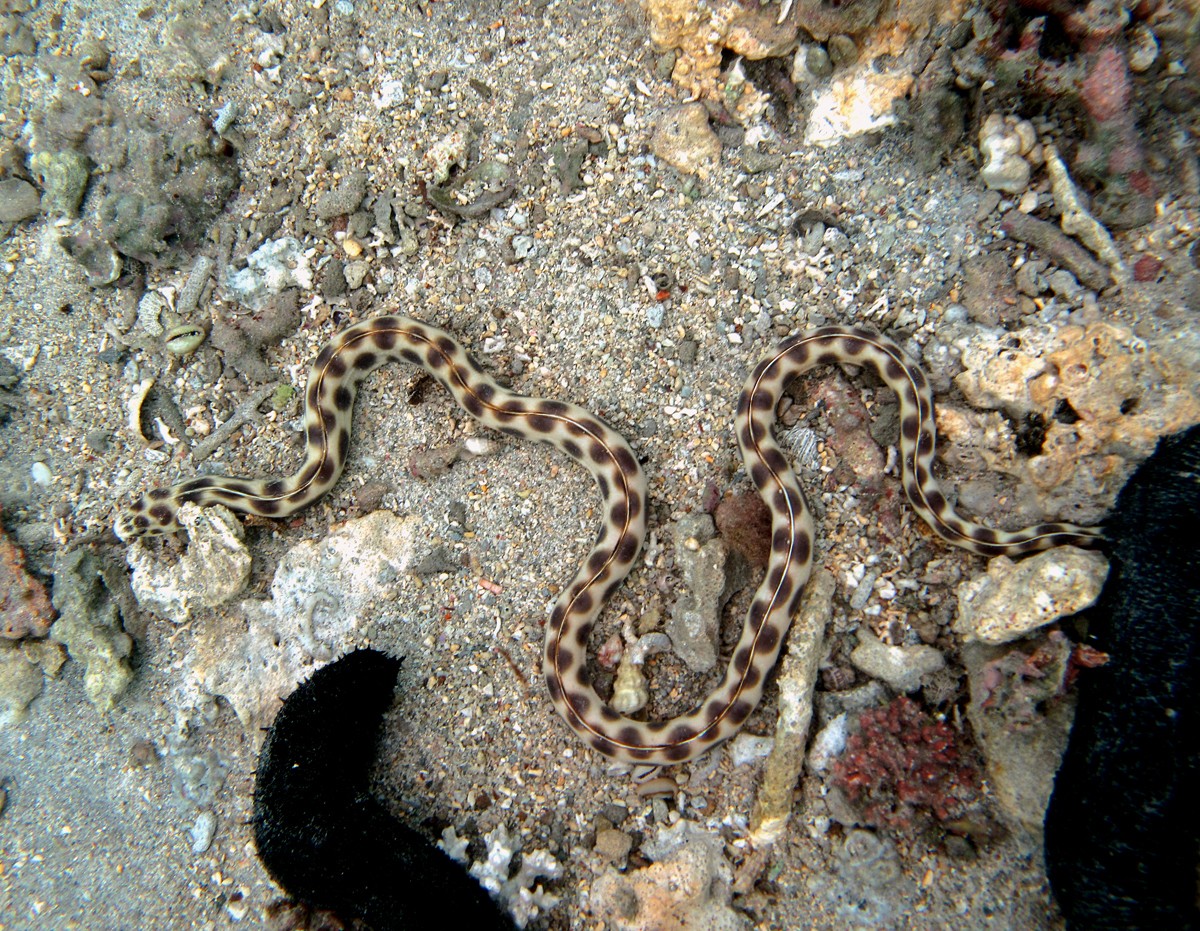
(20, 682)
(902, 668)
(1020, 761)
(749, 748)
(756, 162)
(64, 178)
(438, 560)
(613, 846)
(344, 199)
(270, 269)
(19, 200)
(356, 273)
(710, 576)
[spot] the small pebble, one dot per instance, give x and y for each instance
(748, 748)
(614, 846)
(202, 831)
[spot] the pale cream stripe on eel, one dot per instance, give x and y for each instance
(358, 350)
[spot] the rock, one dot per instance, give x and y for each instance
(344, 199)
(744, 522)
(868, 867)
(25, 609)
(989, 288)
(684, 140)
(214, 569)
(271, 268)
(842, 50)
(902, 668)
(1021, 758)
(856, 102)
(99, 261)
(710, 577)
(755, 161)
(749, 748)
(64, 178)
(828, 744)
(1104, 395)
(687, 888)
(20, 683)
(1014, 599)
(613, 846)
(822, 19)
(19, 201)
(323, 596)
(701, 32)
(89, 626)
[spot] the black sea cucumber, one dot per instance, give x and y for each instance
(1123, 826)
(321, 835)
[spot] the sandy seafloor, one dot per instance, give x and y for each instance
(96, 832)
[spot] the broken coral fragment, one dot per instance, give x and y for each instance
(1014, 599)
(324, 596)
(214, 569)
(684, 140)
(1077, 221)
(89, 626)
(687, 887)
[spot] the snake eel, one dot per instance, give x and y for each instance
(356, 351)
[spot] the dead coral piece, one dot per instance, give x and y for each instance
(702, 31)
(1004, 142)
(25, 609)
(20, 683)
(1103, 395)
(683, 139)
(1019, 682)
(1077, 221)
(1014, 599)
(89, 626)
(215, 568)
(520, 893)
(1020, 722)
(687, 888)
(324, 598)
(904, 668)
(711, 574)
(797, 681)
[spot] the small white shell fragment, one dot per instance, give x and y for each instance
(1143, 48)
(481, 446)
(136, 399)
